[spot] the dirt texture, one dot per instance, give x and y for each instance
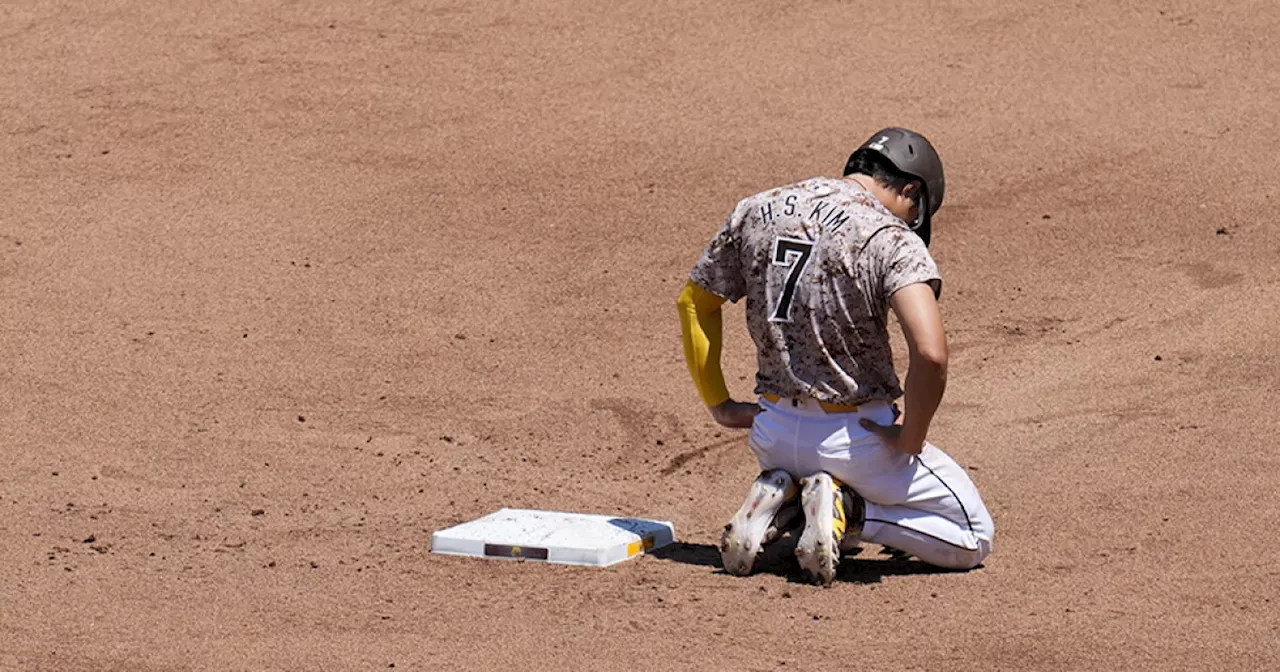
(286, 287)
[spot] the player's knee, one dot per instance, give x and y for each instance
(963, 558)
(959, 559)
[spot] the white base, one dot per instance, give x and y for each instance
(554, 536)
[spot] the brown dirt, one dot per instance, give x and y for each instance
(287, 288)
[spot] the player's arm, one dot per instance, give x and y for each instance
(702, 326)
(716, 278)
(702, 322)
(917, 309)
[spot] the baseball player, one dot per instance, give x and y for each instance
(820, 263)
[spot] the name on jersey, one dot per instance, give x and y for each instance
(826, 215)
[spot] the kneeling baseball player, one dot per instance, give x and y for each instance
(821, 262)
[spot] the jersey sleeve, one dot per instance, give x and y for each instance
(904, 260)
(720, 269)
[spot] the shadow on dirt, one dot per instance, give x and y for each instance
(779, 559)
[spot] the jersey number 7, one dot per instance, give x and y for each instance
(793, 253)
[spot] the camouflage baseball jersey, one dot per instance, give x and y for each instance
(817, 262)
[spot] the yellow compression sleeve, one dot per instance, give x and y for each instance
(701, 323)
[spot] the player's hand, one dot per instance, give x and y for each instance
(893, 437)
(735, 414)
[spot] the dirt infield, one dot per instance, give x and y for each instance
(286, 287)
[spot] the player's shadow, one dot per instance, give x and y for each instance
(779, 559)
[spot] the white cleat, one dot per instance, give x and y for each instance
(825, 523)
(762, 516)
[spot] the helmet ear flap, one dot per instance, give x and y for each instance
(923, 226)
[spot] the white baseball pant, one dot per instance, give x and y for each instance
(925, 505)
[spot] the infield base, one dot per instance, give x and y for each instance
(554, 536)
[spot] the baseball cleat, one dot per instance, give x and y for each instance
(850, 544)
(769, 508)
(829, 507)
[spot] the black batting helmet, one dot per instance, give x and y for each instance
(913, 155)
